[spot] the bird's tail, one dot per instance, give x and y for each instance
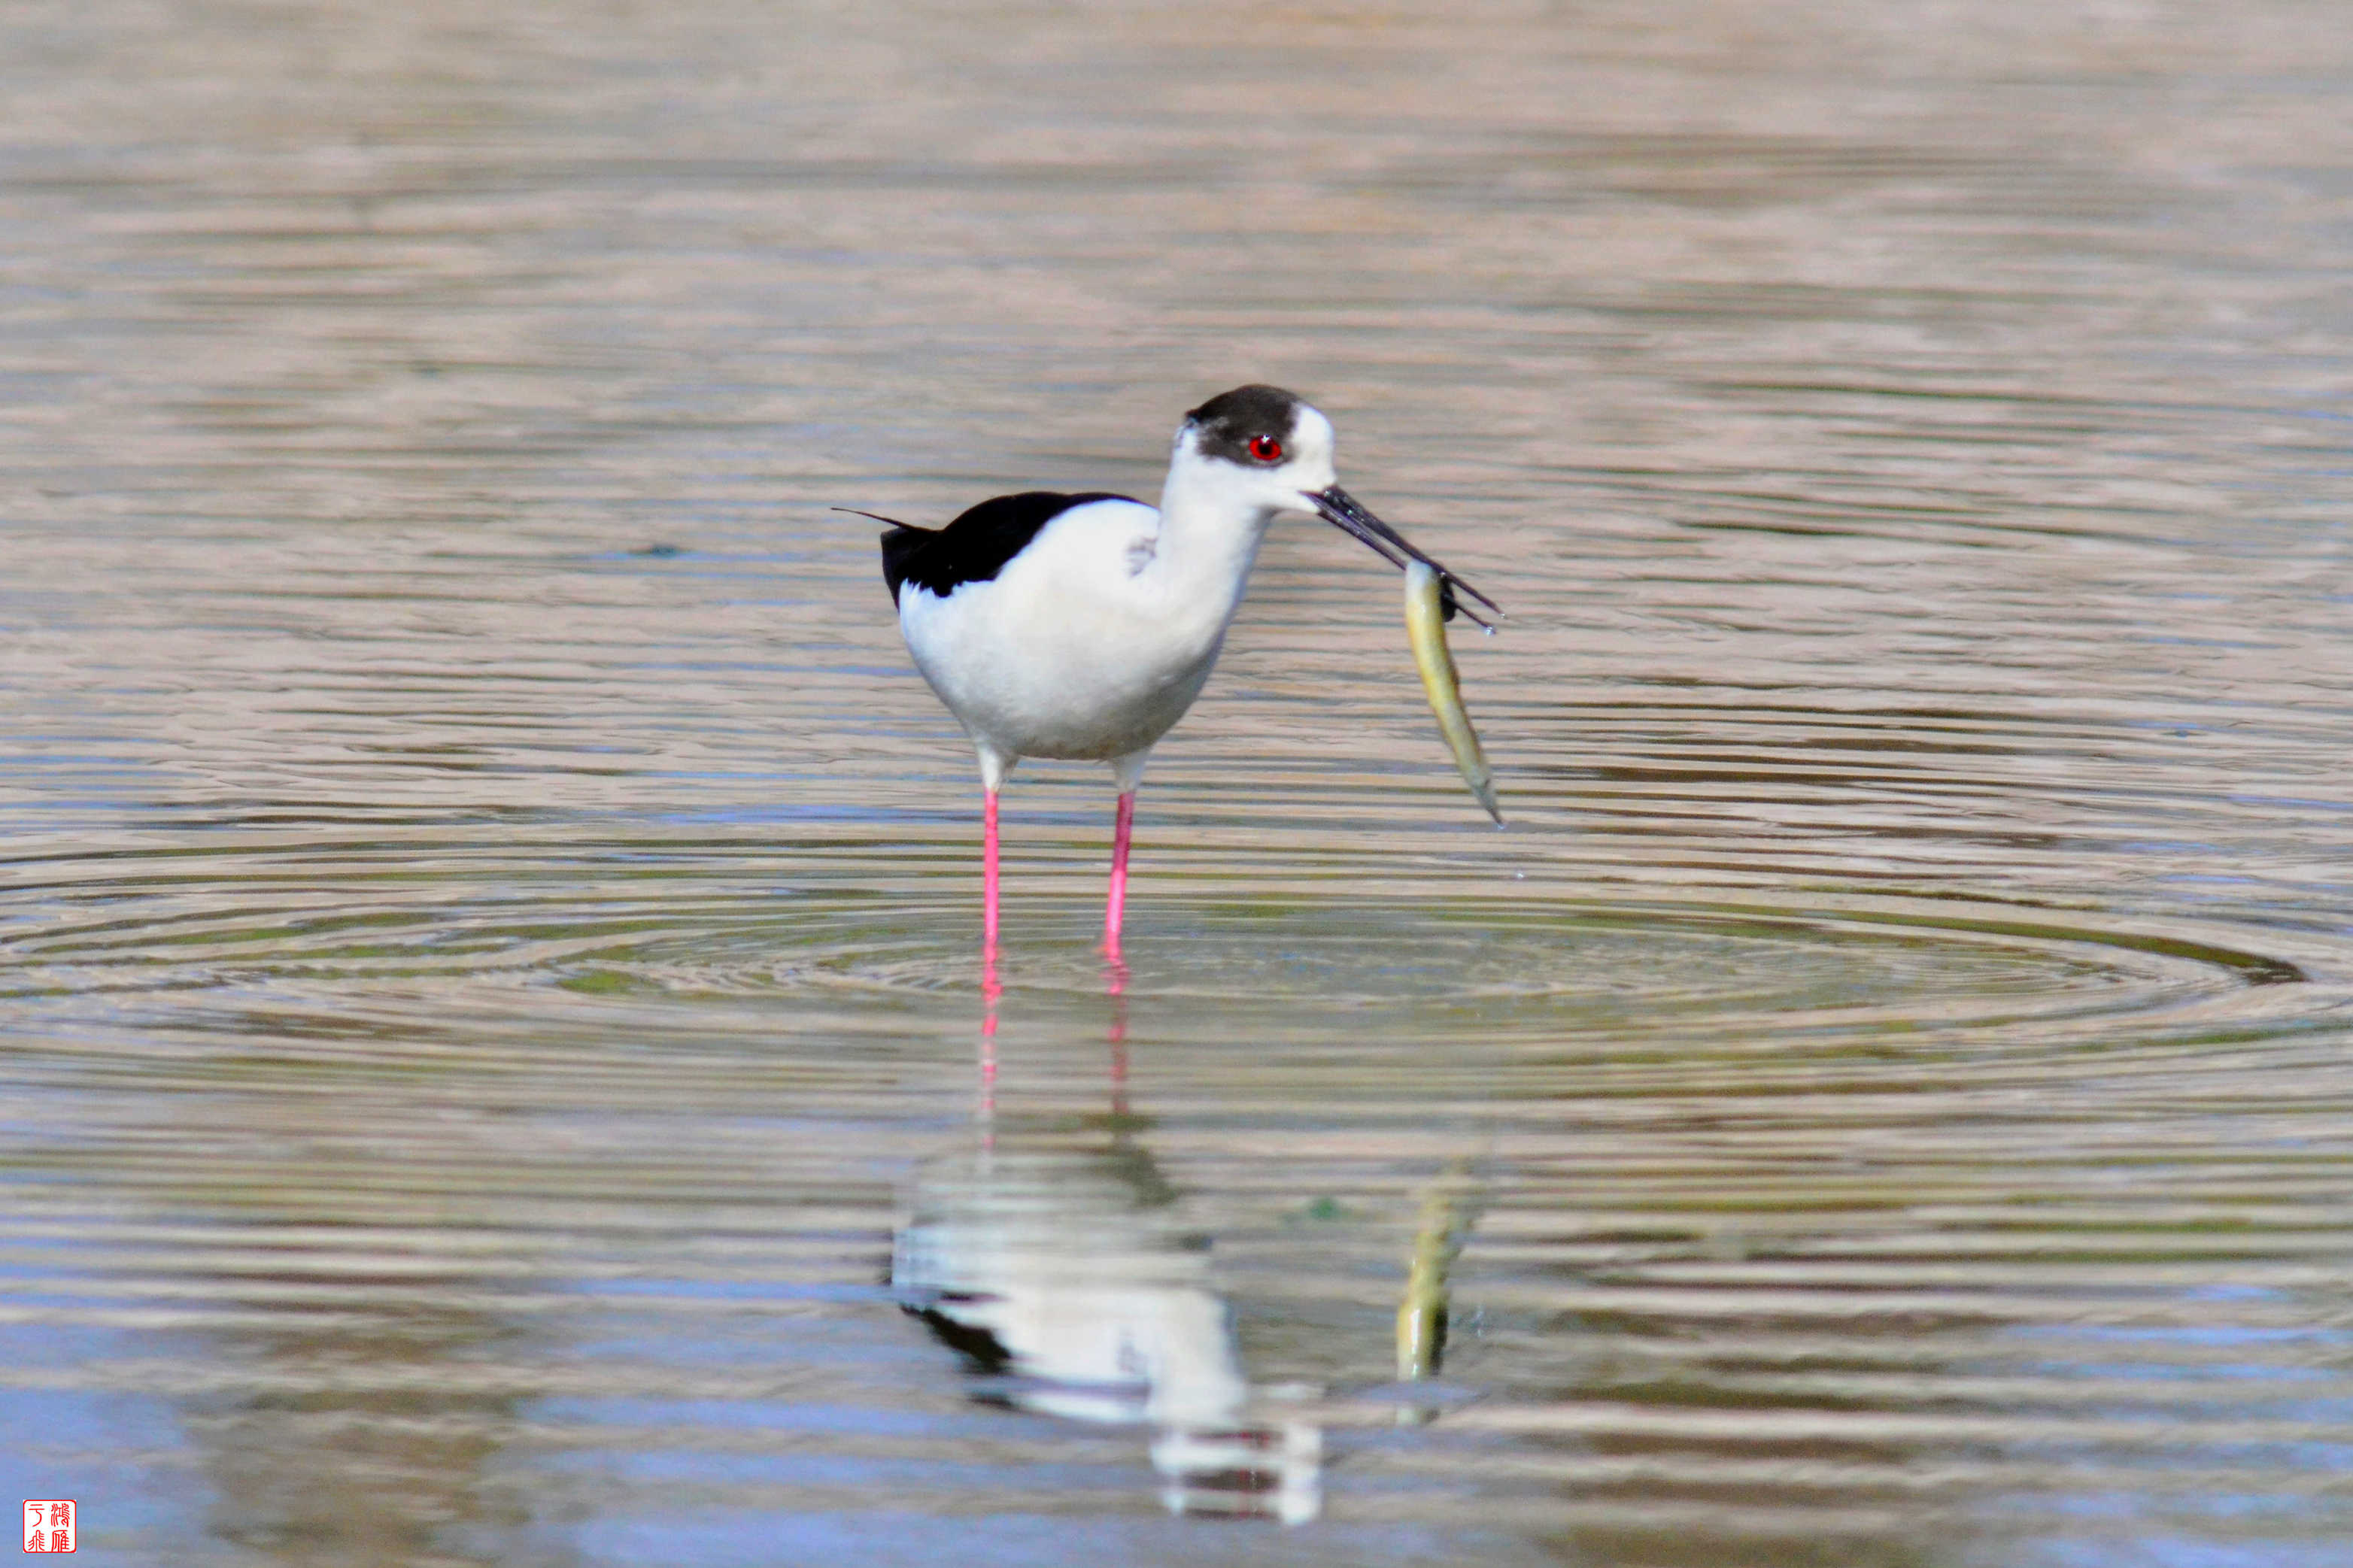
(899, 546)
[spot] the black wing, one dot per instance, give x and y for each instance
(976, 546)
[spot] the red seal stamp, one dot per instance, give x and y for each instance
(49, 1524)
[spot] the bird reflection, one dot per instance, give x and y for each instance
(1061, 1268)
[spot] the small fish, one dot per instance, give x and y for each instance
(1427, 605)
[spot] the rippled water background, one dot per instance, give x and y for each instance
(486, 943)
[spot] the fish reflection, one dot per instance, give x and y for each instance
(1448, 1207)
(1069, 1275)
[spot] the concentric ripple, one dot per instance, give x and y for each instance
(657, 921)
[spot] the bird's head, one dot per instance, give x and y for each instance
(1261, 449)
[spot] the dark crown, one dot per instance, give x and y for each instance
(1228, 421)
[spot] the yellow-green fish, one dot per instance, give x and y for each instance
(1425, 627)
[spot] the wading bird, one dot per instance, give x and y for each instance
(1084, 625)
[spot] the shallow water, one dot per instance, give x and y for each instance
(488, 939)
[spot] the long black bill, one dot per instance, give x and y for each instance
(1338, 507)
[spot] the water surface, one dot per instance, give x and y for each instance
(493, 1031)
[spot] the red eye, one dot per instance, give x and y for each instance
(1266, 449)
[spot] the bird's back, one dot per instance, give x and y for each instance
(976, 545)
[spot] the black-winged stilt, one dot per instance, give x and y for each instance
(1084, 625)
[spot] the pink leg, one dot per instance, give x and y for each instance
(989, 875)
(1116, 911)
(1115, 973)
(988, 986)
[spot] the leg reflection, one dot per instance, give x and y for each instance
(1115, 988)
